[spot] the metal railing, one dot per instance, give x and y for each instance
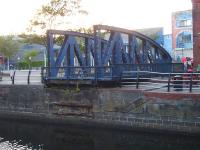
(1, 74)
(187, 82)
(77, 73)
(105, 72)
(156, 67)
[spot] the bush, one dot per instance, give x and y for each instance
(26, 65)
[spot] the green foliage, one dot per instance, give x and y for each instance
(81, 40)
(8, 46)
(29, 55)
(85, 30)
(59, 40)
(152, 33)
(48, 17)
(28, 59)
(25, 65)
(34, 39)
(77, 87)
(198, 68)
(52, 14)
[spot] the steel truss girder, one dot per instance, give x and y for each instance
(143, 55)
(137, 49)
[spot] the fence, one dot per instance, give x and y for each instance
(156, 67)
(164, 81)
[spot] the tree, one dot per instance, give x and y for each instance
(29, 56)
(85, 30)
(8, 47)
(33, 39)
(51, 15)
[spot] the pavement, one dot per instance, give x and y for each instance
(21, 77)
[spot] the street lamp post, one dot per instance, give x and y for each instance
(45, 58)
(182, 47)
(182, 53)
(29, 62)
(18, 62)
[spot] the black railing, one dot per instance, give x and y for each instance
(13, 77)
(187, 82)
(157, 67)
(24, 77)
(1, 74)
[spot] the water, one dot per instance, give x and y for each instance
(16, 145)
(28, 136)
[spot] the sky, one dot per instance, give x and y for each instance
(131, 14)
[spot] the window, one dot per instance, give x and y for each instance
(187, 38)
(184, 40)
(189, 22)
(184, 23)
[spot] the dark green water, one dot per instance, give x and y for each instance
(23, 136)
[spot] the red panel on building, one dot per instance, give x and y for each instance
(196, 31)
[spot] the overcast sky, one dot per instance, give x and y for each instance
(132, 14)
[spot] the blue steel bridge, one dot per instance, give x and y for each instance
(103, 56)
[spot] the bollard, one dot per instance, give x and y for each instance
(178, 83)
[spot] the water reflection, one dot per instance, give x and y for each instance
(15, 145)
(29, 136)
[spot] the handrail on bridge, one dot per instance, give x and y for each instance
(157, 80)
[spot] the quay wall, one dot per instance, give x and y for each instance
(107, 107)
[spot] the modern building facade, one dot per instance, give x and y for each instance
(168, 43)
(182, 34)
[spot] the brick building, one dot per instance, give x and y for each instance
(196, 31)
(182, 39)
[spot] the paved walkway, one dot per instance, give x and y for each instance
(21, 77)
